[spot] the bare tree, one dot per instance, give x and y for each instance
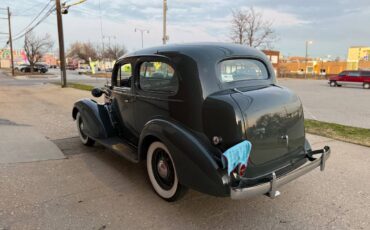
(239, 26)
(114, 52)
(35, 47)
(83, 50)
(249, 28)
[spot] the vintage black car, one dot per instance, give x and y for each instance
(205, 116)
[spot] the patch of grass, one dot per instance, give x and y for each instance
(99, 75)
(345, 133)
(81, 86)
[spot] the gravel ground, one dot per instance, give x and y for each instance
(96, 189)
(347, 105)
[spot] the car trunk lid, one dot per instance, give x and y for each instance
(274, 124)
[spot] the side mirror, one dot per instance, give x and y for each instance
(97, 92)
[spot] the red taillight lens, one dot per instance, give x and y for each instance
(241, 169)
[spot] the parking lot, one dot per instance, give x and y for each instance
(92, 188)
(348, 105)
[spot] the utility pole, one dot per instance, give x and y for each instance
(165, 37)
(11, 43)
(61, 45)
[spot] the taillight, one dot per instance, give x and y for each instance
(241, 169)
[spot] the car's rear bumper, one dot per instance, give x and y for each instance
(270, 188)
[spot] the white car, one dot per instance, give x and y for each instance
(84, 70)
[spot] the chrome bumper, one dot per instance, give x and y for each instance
(270, 188)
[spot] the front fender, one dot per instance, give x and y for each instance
(97, 122)
(195, 165)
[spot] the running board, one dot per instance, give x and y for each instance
(121, 147)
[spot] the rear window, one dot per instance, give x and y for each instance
(242, 69)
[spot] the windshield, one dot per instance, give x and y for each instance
(242, 69)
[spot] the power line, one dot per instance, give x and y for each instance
(47, 14)
(37, 16)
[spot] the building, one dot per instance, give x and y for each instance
(274, 58)
(357, 54)
(319, 66)
(20, 58)
(18, 55)
(49, 59)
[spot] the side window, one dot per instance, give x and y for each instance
(342, 74)
(354, 74)
(158, 77)
(124, 75)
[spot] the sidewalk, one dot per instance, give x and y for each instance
(22, 143)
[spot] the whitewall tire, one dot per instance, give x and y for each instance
(162, 172)
(80, 128)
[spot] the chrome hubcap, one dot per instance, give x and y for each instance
(162, 168)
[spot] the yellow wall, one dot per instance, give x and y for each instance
(331, 67)
(356, 54)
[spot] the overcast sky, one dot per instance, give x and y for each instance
(333, 25)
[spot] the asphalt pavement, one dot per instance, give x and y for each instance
(93, 188)
(347, 105)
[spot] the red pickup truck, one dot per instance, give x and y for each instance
(351, 77)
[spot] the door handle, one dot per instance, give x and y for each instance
(286, 139)
(126, 100)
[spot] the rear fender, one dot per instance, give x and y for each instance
(97, 122)
(195, 166)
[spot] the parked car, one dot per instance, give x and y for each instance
(351, 77)
(108, 70)
(71, 67)
(42, 68)
(20, 66)
(26, 68)
(200, 124)
(84, 70)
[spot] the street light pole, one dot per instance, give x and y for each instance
(142, 31)
(11, 43)
(61, 45)
(165, 37)
(306, 57)
(101, 31)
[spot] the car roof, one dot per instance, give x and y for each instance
(199, 50)
(204, 57)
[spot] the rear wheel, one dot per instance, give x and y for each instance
(80, 127)
(162, 172)
(366, 85)
(333, 83)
